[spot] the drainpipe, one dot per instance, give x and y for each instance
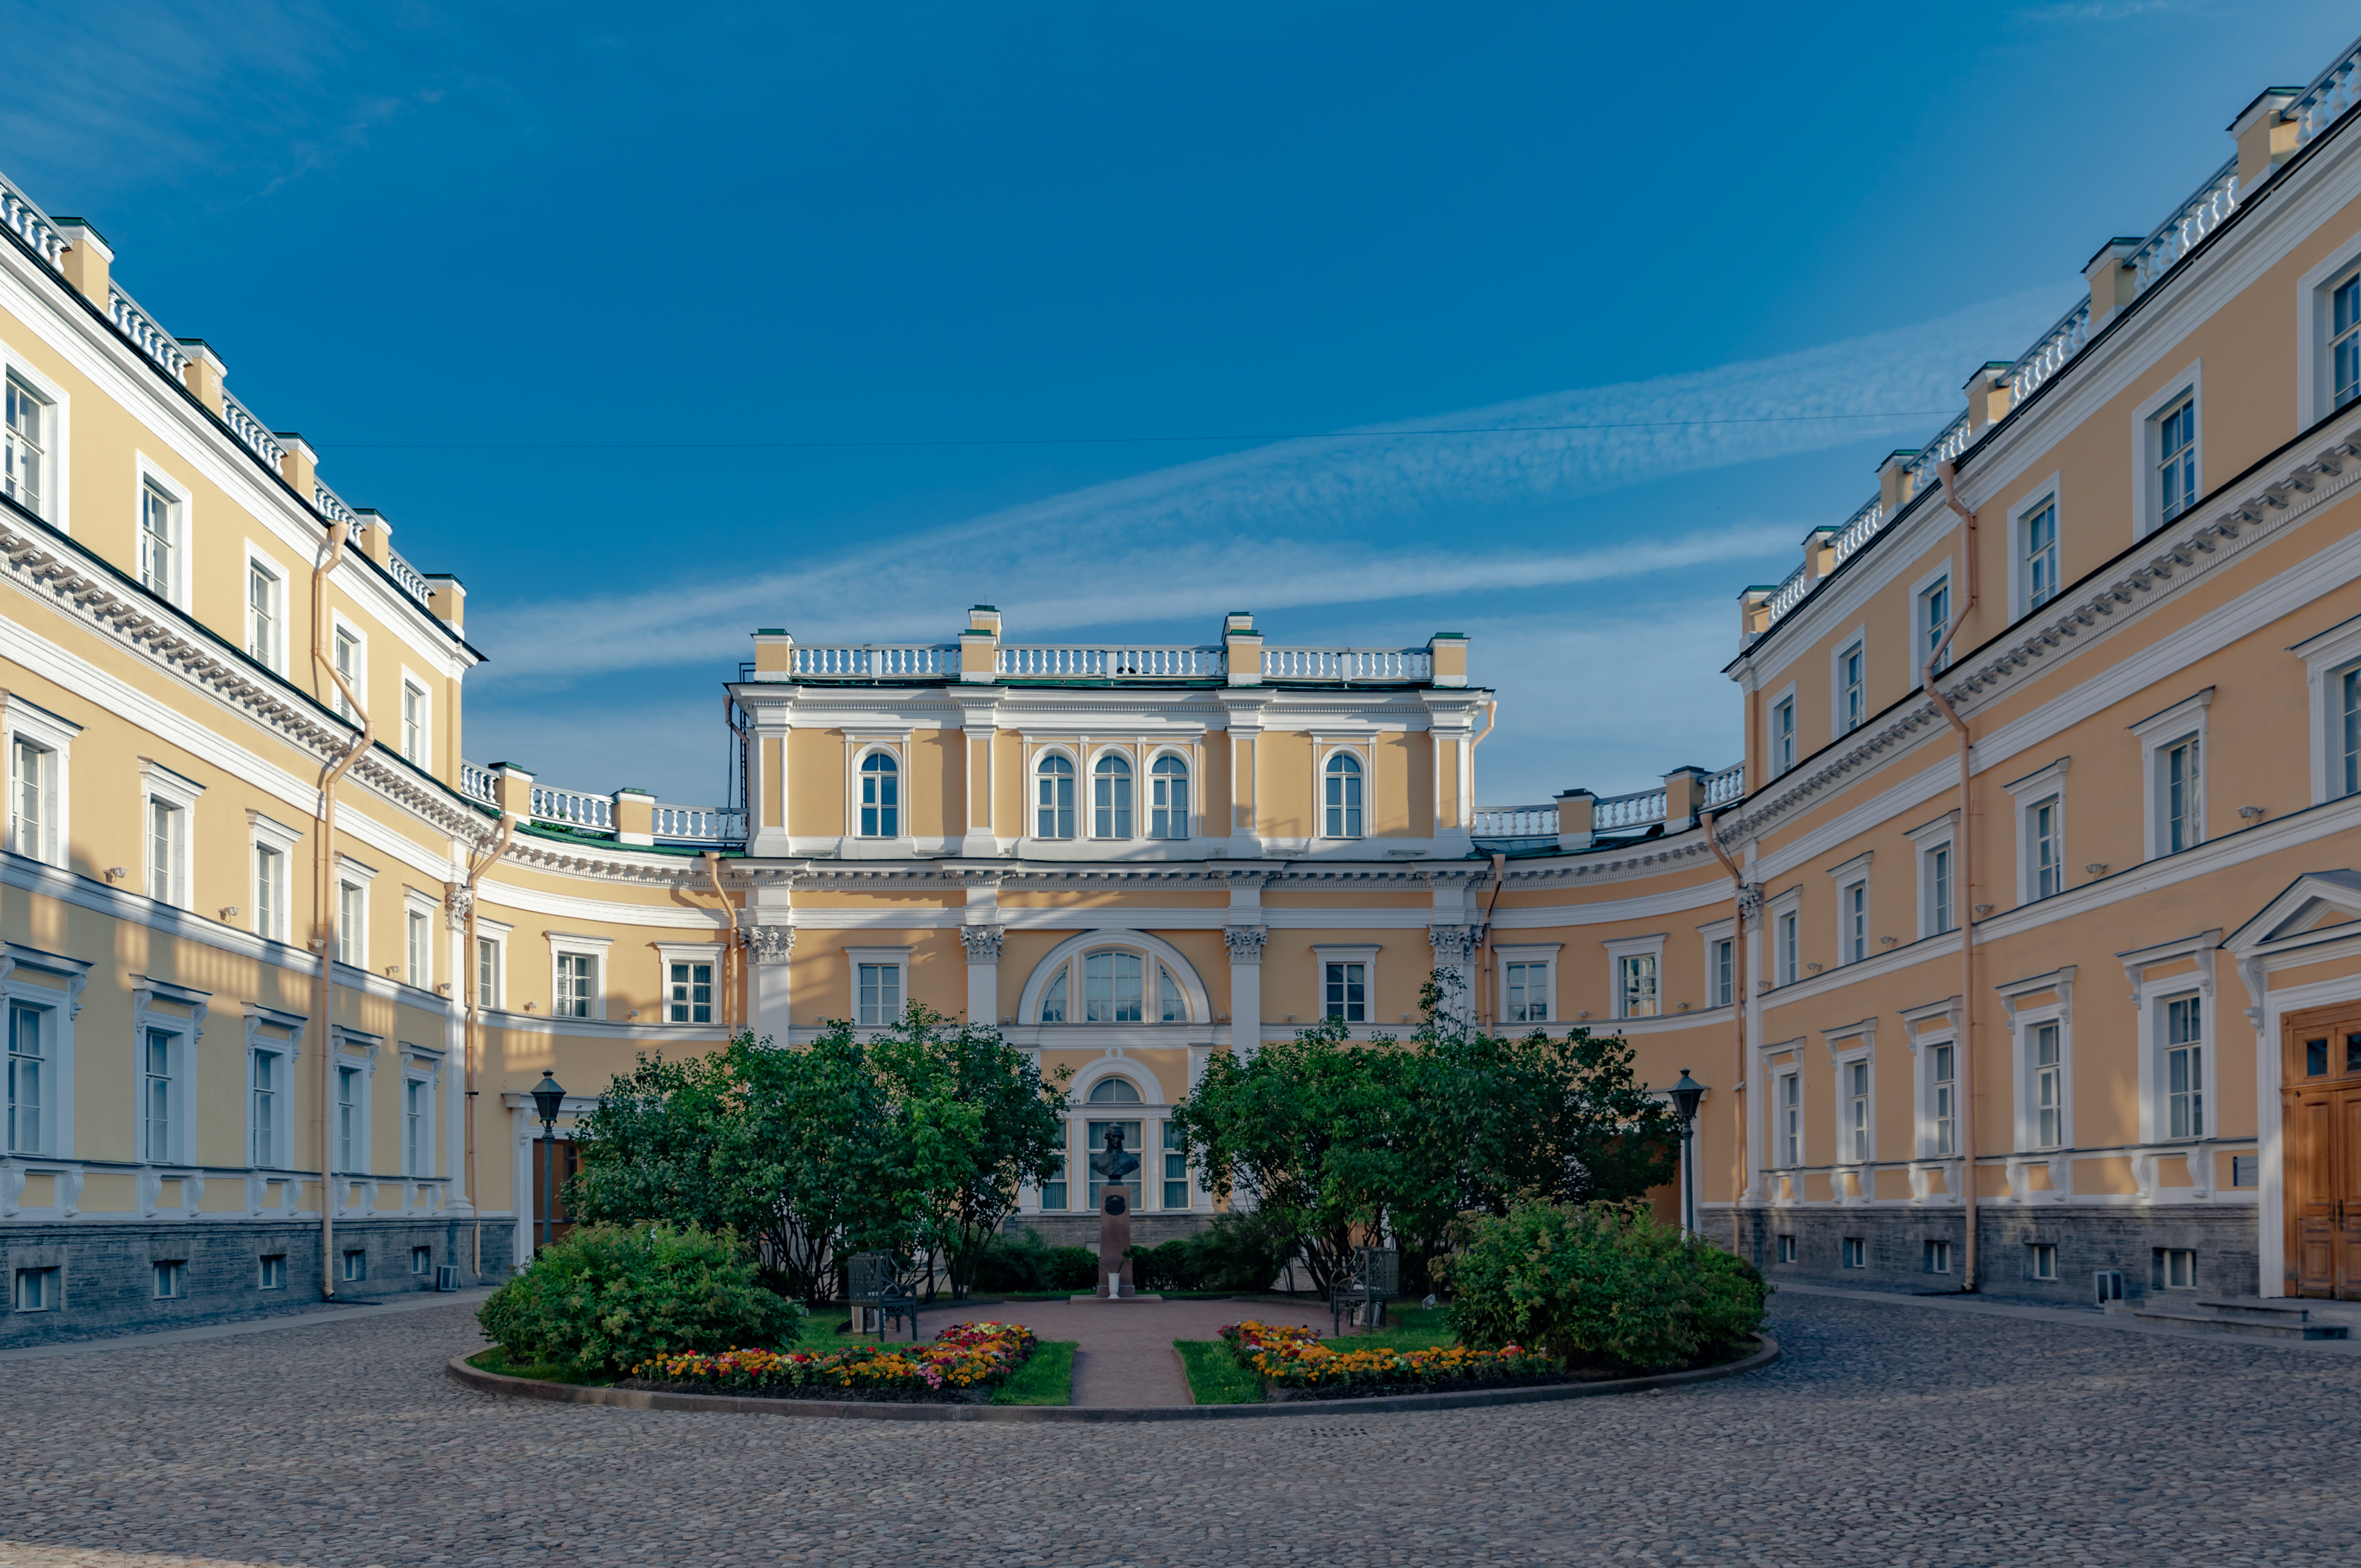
(1738, 973)
(713, 874)
(1500, 875)
(474, 994)
(324, 899)
(1949, 477)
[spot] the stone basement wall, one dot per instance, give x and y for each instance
(1083, 1230)
(108, 1273)
(2087, 1240)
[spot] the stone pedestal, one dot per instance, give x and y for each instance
(1115, 1239)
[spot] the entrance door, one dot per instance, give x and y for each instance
(2323, 1071)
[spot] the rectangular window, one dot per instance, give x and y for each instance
(1113, 987)
(2184, 1067)
(1856, 1074)
(262, 614)
(881, 995)
(2349, 688)
(2049, 1089)
(348, 664)
(171, 1281)
(2048, 854)
(272, 1274)
(1782, 736)
(1856, 922)
(577, 977)
(413, 1127)
(1791, 1119)
(40, 1290)
(32, 804)
(1938, 890)
(159, 539)
(2344, 339)
(356, 1266)
(1787, 1249)
(2175, 1268)
(1526, 987)
(24, 447)
(1790, 967)
(1855, 1252)
(691, 997)
(1111, 799)
(1168, 801)
(413, 724)
(269, 893)
(348, 1118)
(156, 1096)
(167, 833)
(1853, 692)
(1942, 1101)
(1635, 986)
(1176, 1170)
(418, 949)
(351, 940)
(1341, 796)
(1053, 1185)
(1347, 988)
(2040, 555)
(2176, 467)
(421, 1260)
(1934, 620)
(1938, 1256)
(265, 1109)
(28, 1065)
(487, 972)
(2183, 781)
(2041, 1260)
(1725, 973)
(1053, 798)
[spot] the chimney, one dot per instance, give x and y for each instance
(1576, 814)
(204, 371)
(88, 259)
(377, 538)
(774, 654)
(635, 816)
(298, 466)
(1684, 798)
(447, 596)
(2266, 137)
(2114, 285)
(1754, 610)
(980, 646)
(1820, 554)
(1447, 655)
(1242, 648)
(1989, 395)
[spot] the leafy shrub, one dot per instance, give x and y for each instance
(1602, 1284)
(609, 1296)
(1172, 1265)
(1024, 1262)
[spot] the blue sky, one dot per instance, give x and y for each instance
(656, 327)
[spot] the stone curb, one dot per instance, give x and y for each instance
(853, 1410)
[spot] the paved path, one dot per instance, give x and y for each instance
(1890, 1435)
(1124, 1349)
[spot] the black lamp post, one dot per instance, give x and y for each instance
(549, 1097)
(1685, 1097)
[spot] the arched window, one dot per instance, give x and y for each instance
(1168, 806)
(1055, 797)
(881, 796)
(1171, 1003)
(1113, 1091)
(1112, 988)
(1053, 1000)
(1343, 797)
(1111, 798)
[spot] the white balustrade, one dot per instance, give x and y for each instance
(875, 661)
(703, 824)
(2049, 355)
(412, 582)
(478, 783)
(2178, 235)
(1617, 811)
(1788, 594)
(2331, 92)
(577, 808)
(1727, 785)
(333, 508)
(1925, 467)
(1515, 822)
(145, 335)
(250, 430)
(1053, 661)
(1347, 664)
(1860, 528)
(31, 225)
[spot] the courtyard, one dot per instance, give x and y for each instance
(1889, 1433)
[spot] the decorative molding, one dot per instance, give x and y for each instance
(770, 944)
(981, 942)
(1455, 944)
(1245, 942)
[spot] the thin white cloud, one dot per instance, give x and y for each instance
(1204, 533)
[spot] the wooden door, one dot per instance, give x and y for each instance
(2322, 1062)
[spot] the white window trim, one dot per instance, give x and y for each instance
(1546, 954)
(497, 933)
(2326, 659)
(2049, 492)
(412, 681)
(900, 959)
(417, 903)
(1089, 792)
(1787, 696)
(2024, 1133)
(2149, 997)
(1858, 637)
(2145, 415)
(1708, 936)
(1362, 953)
(263, 833)
(1775, 909)
(1777, 1072)
(186, 1029)
(56, 512)
(159, 783)
(1928, 1025)
(858, 749)
(1365, 754)
(147, 472)
(567, 942)
(1859, 1043)
(1035, 757)
(417, 1068)
(359, 1051)
(1942, 833)
(2315, 394)
(351, 873)
(274, 657)
(1650, 947)
(339, 622)
(671, 953)
(1939, 577)
(290, 1051)
(1854, 873)
(1144, 803)
(61, 1003)
(2026, 793)
(56, 733)
(2158, 732)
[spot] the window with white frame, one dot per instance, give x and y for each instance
(1852, 910)
(352, 658)
(1340, 816)
(490, 967)
(1856, 1111)
(2175, 458)
(1527, 981)
(156, 1144)
(1171, 1001)
(2167, 443)
(32, 1084)
(580, 963)
(1056, 1008)
(1782, 734)
(416, 737)
(689, 990)
(168, 850)
(2040, 805)
(270, 1104)
(160, 540)
(2348, 731)
(351, 1126)
(1635, 969)
(1114, 988)
(417, 1123)
(1722, 971)
(26, 438)
(418, 946)
(1345, 991)
(273, 847)
(2045, 1053)
(2037, 555)
(1112, 985)
(2172, 747)
(1053, 796)
(2183, 1077)
(1111, 798)
(2333, 671)
(352, 922)
(1787, 940)
(1787, 1104)
(1934, 621)
(1942, 1099)
(1933, 844)
(38, 744)
(2345, 340)
(1851, 685)
(881, 986)
(266, 613)
(1167, 811)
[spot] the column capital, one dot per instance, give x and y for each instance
(981, 942)
(770, 944)
(1246, 942)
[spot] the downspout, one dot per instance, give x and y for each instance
(713, 874)
(1947, 474)
(1500, 875)
(474, 994)
(323, 902)
(1738, 973)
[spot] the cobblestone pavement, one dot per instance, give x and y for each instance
(1889, 1435)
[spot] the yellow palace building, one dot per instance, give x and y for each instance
(2022, 951)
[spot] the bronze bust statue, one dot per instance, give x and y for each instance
(1111, 1164)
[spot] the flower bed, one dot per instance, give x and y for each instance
(1292, 1360)
(965, 1361)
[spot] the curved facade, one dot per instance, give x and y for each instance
(2087, 1004)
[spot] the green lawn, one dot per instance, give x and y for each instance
(1046, 1379)
(1215, 1376)
(1407, 1328)
(496, 1360)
